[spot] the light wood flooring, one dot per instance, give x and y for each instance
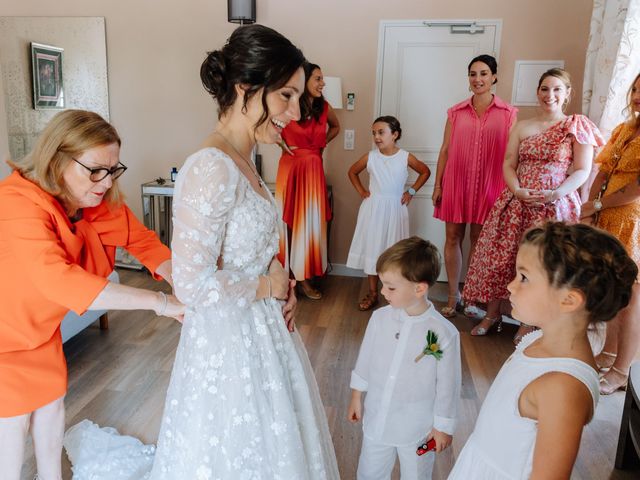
(119, 377)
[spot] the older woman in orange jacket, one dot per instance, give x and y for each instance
(61, 220)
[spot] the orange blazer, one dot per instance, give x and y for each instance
(49, 266)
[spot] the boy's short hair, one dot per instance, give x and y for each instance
(417, 259)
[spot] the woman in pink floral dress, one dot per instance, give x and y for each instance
(548, 158)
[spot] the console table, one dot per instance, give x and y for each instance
(157, 200)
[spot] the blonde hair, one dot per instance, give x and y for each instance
(634, 118)
(561, 75)
(68, 135)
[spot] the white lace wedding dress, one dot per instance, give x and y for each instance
(243, 403)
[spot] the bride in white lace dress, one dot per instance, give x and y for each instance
(243, 403)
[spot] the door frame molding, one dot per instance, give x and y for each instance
(384, 24)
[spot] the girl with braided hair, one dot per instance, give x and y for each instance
(530, 424)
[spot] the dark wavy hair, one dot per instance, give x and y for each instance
(310, 107)
(256, 57)
(487, 60)
(393, 122)
(587, 259)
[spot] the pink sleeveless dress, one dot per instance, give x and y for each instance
(472, 178)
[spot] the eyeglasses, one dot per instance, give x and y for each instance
(98, 174)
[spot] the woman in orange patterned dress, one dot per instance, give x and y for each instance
(301, 190)
(61, 219)
(614, 205)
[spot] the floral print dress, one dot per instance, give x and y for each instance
(544, 163)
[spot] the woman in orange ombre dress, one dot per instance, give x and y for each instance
(60, 223)
(301, 190)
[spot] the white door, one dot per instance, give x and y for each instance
(422, 71)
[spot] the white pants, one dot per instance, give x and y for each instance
(377, 461)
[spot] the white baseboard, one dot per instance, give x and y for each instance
(344, 271)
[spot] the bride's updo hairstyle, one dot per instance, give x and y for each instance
(255, 57)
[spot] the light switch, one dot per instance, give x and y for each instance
(349, 139)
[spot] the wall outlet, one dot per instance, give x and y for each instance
(349, 139)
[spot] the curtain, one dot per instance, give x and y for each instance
(613, 61)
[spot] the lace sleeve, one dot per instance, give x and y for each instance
(205, 194)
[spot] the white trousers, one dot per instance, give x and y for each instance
(377, 461)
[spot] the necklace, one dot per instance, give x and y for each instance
(249, 164)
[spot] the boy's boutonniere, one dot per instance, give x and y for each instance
(431, 348)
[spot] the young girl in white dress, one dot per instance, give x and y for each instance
(383, 218)
(531, 421)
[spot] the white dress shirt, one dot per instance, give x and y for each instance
(405, 399)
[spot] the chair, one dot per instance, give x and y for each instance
(628, 453)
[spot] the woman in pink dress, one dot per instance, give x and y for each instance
(469, 172)
(548, 158)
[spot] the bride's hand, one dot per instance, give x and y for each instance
(279, 280)
(289, 308)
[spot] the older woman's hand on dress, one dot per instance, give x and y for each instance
(169, 306)
(289, 308)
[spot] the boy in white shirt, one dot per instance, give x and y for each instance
(412, 384)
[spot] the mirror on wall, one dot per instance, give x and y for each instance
(81, 69)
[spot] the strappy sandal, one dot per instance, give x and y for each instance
(607, 387)
(602, 366)
(480, 330)
(369, 301)
(450, 312)
(523, 331)
(471, 311)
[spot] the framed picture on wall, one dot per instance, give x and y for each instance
(48, 86)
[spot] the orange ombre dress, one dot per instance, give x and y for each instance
(301, 196)
(49, 266)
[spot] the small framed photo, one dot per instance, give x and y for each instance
(48, 87)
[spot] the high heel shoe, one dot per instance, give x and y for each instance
(482, 330)
(522, 332)
(607, 386)
(605, 365)
(450, 312)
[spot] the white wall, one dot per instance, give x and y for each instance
(155, 48)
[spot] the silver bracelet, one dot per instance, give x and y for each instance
(164, 305)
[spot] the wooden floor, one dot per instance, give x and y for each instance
(119, 377)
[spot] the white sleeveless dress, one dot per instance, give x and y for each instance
(242, 403)
(501, 445)
(382, 219)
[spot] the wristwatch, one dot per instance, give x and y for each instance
(597, 205)
(411, 191)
